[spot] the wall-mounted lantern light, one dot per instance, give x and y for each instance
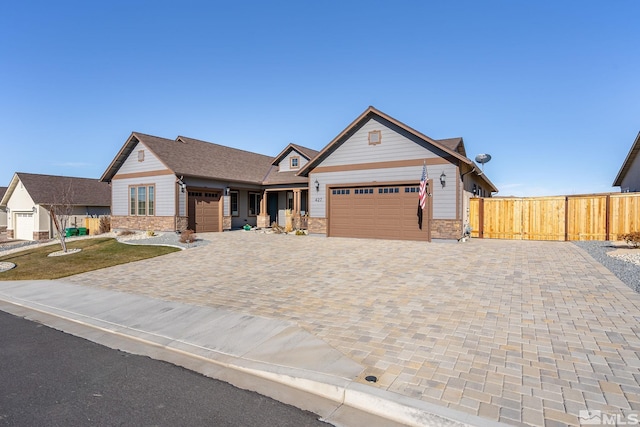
(35, 209)
(317, 184)
(227, 191)
(443, 179)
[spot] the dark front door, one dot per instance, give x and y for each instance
(272, 207)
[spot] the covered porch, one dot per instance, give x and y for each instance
(287, 207)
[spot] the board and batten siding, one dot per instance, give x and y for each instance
(285, 164)
(393, 146)
(165, 194)
(444, 199)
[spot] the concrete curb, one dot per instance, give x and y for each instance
(332, 397)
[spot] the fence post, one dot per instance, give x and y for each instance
(607, 215)
(481, 218)
(566, 219)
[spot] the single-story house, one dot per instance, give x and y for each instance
(628, 178)
(30, 196)
(364, 183)
(3, 211)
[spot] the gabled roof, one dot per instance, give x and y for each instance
(452, 147)
(275, 176)
(633, 153)
(192, 157)
(454, 144)
(306, 152)
(44, 189)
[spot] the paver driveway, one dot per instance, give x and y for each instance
(515, 331)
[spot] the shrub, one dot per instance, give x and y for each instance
(633, 238)
(150, 233)
(126, 233)
(188, 236)
(105, 225)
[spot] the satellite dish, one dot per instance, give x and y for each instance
(482, 159)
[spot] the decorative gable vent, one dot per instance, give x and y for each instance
(141, 155)
(375, 137)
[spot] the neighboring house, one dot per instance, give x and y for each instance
(364, 183)
(29, 197)
(3, 211)
(628, 178)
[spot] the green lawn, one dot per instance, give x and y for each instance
(33, 264)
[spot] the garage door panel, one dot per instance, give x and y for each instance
(24, 226)
(207, 211)
(388, 212)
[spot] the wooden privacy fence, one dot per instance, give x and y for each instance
(592, 217)
(92, 225)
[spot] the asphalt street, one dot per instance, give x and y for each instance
(49, 378)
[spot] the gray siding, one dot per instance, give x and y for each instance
(631, 180)
(165, 194)
(393, 147)
(150, 163)
(444, 199)
(285, 163)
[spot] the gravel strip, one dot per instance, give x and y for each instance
(162, 239)
(626, 270)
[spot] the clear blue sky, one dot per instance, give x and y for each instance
(551, 89)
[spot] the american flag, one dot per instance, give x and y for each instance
(422, 194)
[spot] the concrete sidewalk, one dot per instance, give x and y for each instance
(273, 357)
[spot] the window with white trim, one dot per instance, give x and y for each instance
(254, 203)
(233, 197)
(142, 200)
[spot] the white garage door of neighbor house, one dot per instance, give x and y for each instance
(24, 226)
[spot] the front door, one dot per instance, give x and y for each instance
(272, 207)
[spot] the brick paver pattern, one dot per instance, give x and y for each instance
(521, 332)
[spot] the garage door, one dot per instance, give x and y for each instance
(24, 226)
(383, 212)
(204, 211)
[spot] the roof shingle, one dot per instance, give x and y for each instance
(44, 189)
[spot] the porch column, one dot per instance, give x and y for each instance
(295, 215)
(263, 221)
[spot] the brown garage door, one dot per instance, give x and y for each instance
(204, 211)
(388, 212)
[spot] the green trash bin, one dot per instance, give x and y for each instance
(82, 231)
(68, 232)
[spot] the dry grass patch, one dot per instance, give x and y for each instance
(35, 264)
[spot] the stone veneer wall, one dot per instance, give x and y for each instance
(446, 228)
(9, 233)
(40, 235)
(182, 223)
(262, 221)
(226, 223)
(155, 223)
(318, 225)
